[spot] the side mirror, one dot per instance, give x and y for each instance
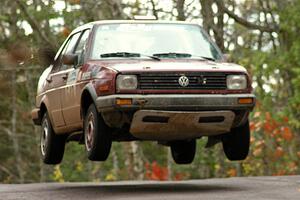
(46, 56)
(70, 59)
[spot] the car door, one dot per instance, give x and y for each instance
(72, 92)
(56, 82)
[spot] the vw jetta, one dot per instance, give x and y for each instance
(142, 80)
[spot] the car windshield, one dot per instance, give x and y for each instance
(160, 40)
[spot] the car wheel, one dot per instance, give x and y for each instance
(52, 145)
(97, 135)
(236, 144)
(183, 152)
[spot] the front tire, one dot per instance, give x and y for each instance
(52, 145)
(236, 144)
(97, 135)
(183, 152)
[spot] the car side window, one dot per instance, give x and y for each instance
(69, 49)
(57, 63)
(80, 49)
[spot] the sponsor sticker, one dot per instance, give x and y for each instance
(86, 75)
(72, 77)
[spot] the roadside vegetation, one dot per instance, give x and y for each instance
(262, 35)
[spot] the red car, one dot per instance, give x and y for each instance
(142, 80)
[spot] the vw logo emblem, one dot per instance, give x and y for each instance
(183, 81)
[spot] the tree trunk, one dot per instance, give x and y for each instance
(154, 10)
(134, 160)
(128, 159)
(138, 163)
(219, 28)
(14, 136)
(180, 10)
(207, 14)
(209, 23)
(169, 163)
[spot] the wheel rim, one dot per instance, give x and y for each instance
(89, 132)
(44, 137)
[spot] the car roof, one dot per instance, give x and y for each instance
(91, 24)
(140, 21)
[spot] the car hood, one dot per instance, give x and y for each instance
(169, 65)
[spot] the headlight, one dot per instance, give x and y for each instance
(126, 82)
(236, 82)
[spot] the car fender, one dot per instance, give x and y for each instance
(45, 101)
(90, 90)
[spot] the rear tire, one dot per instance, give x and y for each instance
(183, 152)
(97, 135)
(52, 145)
(236, 144)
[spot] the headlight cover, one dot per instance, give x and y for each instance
(236, 82)
(126, 82)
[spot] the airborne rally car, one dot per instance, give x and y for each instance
(142, 80)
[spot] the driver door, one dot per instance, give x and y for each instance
(57, 80)
(70, 96)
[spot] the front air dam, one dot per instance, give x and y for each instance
(179, 125)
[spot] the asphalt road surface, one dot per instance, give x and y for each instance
(256, 188)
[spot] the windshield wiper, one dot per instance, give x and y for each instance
(180, 55)
(126, 55)
(172, 55)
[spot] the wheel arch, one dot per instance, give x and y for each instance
(43, 110)
(88, 96)
(44, 107)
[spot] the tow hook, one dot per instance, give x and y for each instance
(141, 102)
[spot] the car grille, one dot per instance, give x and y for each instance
(169, 81)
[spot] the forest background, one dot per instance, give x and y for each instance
(262, 35)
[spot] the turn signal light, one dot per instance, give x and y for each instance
(104, 88)
(245, 100)
(122, 102)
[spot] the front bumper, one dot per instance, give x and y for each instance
(178, 125)
(182, 102)
(182, 116)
